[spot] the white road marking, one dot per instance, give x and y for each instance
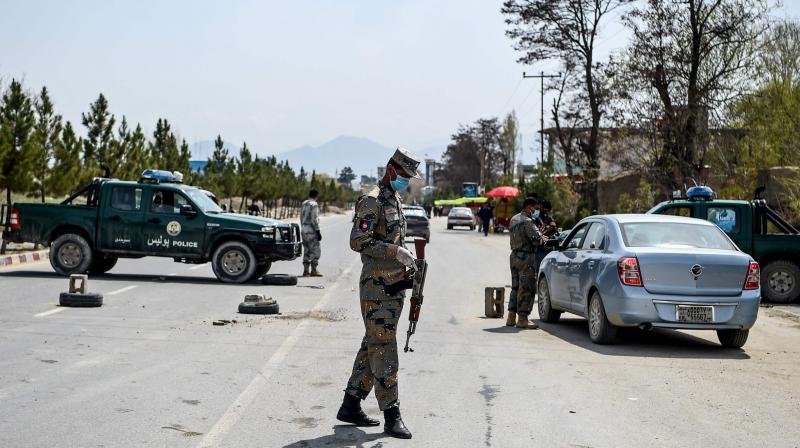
(261, 380)
(199, 266)
(121, 290)
(53, 311)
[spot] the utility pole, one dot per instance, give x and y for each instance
(541, 77)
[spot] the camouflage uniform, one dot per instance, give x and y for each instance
(309, 220)
(379, 228)
(525, 239)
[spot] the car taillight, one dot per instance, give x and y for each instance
(13, 219)
(753, 279)
(629, 273)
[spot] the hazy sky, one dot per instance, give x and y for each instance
(281, 74)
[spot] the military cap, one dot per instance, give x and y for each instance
(408, 161)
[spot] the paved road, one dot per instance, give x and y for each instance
(149, 370)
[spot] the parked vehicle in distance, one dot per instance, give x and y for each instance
(156, 216)
(460, 217)
(756, 229)
(417, 223)
(651, 271)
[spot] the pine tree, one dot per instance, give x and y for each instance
(99, 132)
(185, 154)
(244, 170)
(47, 133)
(164, 147)
(17, 121)
(65, 173)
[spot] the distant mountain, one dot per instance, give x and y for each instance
(361, 154)
(204, 149)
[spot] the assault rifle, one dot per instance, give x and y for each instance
(416, 290)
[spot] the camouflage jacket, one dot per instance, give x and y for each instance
(379, 228)
(309, 216)
(525, 235)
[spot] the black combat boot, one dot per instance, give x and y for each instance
(394, 425)
(350, 412)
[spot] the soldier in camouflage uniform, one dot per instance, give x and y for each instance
(379, 230)
(525, 240)
(309, 220)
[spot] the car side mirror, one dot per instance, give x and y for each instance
(188, 210)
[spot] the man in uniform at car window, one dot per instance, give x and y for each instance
(379, 230)
(525, 239)
(309, 220)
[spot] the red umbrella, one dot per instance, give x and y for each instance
(503, 192)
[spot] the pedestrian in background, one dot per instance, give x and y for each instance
(309, 222)
(525, 239)
(485, 214)
(379, 231)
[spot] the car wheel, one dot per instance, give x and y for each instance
(779, 281)
(258, 308)
(261, 270)
(233, 262)
(87, 300)
(449, 227)
(101, 265)
(600, 329)
(70, 254)
(732, 338)
(546, 311)
(279, 279)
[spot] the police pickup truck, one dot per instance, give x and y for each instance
(156, 216)
(756, 228)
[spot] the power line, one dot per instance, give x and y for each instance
(541, 77)
(502, 109)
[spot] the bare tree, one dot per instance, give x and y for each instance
(566, 30)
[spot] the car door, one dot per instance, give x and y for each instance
(120, 226)
(589, 258)
(167, 232)
(559, 288)
(731, 219)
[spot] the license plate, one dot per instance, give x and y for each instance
(694, 314)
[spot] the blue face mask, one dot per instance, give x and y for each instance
(535, 214)
(400, 184)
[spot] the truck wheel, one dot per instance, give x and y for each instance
(732, 338)
(70, 253)
(233, 262)
(101, 265)
(261, 270)
(779, 281)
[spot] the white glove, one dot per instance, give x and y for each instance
(405, 256)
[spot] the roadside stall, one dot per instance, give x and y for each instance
(504, 206)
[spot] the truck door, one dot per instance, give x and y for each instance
(120, 226)
(733, 220)
(167, 231)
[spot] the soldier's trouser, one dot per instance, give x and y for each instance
(523, 282)
(311, 248)
(376, 363)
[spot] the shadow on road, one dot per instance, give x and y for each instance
(658, 343)
(503, 329)
(153, 278)
(343, 436)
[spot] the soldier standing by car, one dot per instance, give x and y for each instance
(378, 234)
(525, 239)
(309, 220)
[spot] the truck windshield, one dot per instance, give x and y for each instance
(202, 200)
(674, 235)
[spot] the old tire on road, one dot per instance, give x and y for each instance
(732, 338)
(780, 281)
(258, 308)
(233, 262)
(600, 329)
(70, 253)
(101, 265)
(279, 279)
(261, 270)
(546, 311)
(90, 299)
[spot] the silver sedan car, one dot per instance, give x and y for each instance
(651, 271)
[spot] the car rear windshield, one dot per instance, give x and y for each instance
(674, 235)
(461, 212)
(414, 212)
